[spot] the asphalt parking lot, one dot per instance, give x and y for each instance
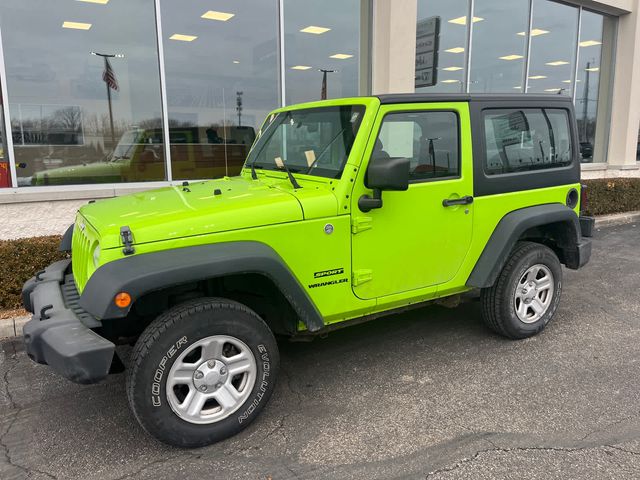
(426, 394)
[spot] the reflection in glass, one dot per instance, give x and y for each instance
(72, 116)
(553, 42)
(321, 49)
(499, 46)
(450, 55)
(222, 80)
(5, 170)
(588, 81)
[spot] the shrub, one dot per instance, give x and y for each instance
(20, 260)
(612, 195)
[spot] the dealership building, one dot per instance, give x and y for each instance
(100, 98)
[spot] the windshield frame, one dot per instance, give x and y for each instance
(269, 128)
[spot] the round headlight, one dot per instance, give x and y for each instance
(96, 255)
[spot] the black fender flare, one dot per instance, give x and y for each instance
(141, 274)
(65, 243)
(510, 229)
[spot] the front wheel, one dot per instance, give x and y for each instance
(526, 294)
(201, 372)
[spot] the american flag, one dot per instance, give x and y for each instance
(109, 75)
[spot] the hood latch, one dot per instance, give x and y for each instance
(127, 240)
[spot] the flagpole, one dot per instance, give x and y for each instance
(323, 90)
(106, 57)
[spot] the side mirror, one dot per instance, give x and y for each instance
(384, 174)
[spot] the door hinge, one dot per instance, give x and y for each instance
(360, 224)
(361, 276)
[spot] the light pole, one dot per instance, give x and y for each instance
(239, 107)
(110, 80)
(323, 92)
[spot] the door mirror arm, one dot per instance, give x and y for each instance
(367, 203)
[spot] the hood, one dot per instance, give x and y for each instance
(200, 208)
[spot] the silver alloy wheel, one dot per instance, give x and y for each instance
(211, 379)
(534, 293)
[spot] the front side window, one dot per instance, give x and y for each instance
(313, 141)
(526, 139)
(428, 139)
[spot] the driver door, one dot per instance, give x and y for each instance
(414, 241)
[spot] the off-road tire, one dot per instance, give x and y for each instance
(498, 302)
(172, 333)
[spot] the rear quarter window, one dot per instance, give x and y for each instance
(521, 140)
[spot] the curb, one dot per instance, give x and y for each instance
(617, 219)
(12, 327)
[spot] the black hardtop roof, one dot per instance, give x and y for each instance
(471, 97)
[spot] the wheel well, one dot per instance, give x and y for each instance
(254, 290)
(558, 236)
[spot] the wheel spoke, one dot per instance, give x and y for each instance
(522, 309)
(193, 403)
(544, 283)
(183, 376)
(537, 306)
(227, 396)
(238, 363)
(212, 349)
(532, 274)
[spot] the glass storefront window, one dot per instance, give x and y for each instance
(5, 169)
(588, 81)
(554, 31)
(84, 91)
(321, 49)
(499, 46)
(444, 71)
(221, 69)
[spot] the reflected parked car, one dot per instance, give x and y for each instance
(139, 156)
(586, 150)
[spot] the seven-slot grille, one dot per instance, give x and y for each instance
(81, 252)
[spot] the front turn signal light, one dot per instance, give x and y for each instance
(122, 300)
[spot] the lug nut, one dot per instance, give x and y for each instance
(223, 371)
(199, 374)
(203, 388)
(218, 385)
(211, 364)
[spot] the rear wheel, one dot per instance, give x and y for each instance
(201, 372)
(526, 294)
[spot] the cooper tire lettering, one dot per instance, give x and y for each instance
(159, 372)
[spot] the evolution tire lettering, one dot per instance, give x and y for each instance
(266, 372)
(328, 273)
(159, 373)
(331, 282)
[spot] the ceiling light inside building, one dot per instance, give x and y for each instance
(463, 20)
(236, 61)
(534, 32)
(511, 57)
(553, 89)
(557, 63)
(455, 50)
(301, 67)
(315, 30)
(518, 87)
(341, 56)
(77, 25)
(450, 81)
(593, 69)
(183, 38)
(220, 16)
(452, 69)
(589, 43)
(101, 2)
(537, 77)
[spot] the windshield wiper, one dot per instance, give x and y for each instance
(292, 179)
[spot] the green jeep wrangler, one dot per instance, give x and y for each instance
(345, 210)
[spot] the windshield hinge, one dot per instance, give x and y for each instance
(360, 224)
(361, 276)
(127, 240)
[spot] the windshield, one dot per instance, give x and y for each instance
(315, 141)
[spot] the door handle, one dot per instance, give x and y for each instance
(457, 201)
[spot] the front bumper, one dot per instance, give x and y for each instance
(58, 334)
